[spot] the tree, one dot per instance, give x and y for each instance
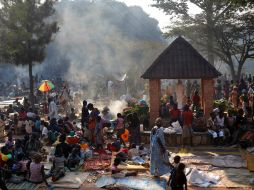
(26, 29)
(234, 36)
(202, 28)
(242, 2)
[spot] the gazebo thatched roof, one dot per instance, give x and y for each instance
(180, 61)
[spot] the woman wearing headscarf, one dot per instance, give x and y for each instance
(159, 157)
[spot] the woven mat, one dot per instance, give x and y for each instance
(22, 186)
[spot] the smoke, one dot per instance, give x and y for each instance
(99, 41)
(117, 106)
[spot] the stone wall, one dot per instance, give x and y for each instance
(176, 139)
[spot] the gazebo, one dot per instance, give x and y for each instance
(180, 61)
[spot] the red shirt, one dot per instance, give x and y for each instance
(72, 140)
(187, 118)
(22, 116)
(196, 99)
(175, 113)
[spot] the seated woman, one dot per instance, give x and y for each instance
(33, 145)
(59, 163)
(62, 146)
(36, 170)
(222, 130)
(74, 157)
(199, 123)
(212, 129)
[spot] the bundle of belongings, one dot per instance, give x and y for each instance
(174, 128)
(202, 179)
(250, 150)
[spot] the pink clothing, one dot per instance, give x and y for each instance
(35, 172)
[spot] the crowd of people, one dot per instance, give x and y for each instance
(228, 124)
(26, 133)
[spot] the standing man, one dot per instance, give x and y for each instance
(53, 110)
(159, 156)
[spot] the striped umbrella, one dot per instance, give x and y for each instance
(46, 86)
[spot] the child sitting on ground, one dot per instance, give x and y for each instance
(117, 173)
(59, 163)
(74, 158)
(36, 170)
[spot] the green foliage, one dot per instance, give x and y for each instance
(26, 29)
(222, 28)
(242, 2)
(225, 105)
(141, 110)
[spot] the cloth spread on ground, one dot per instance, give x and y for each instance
(137, 183)
(100, 162)
(228, 161)
(22, 186)
(202, 179)
(96, 164)
(71, 180)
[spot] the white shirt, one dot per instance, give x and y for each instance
(53, 110)
(220, 121)
(45, 132)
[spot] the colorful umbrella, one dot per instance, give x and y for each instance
(46, 86)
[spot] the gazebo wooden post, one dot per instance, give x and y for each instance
(155, 94)
(207, 86)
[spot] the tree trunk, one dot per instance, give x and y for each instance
(210, 48)
(239, 71)
(210, 37)
(232, 69)
(31, 84)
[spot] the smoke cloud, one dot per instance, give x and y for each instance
(101, 40)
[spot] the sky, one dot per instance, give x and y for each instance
(153, 12)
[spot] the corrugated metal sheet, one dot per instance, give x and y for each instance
(180, 61)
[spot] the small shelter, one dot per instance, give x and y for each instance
(180, 61)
